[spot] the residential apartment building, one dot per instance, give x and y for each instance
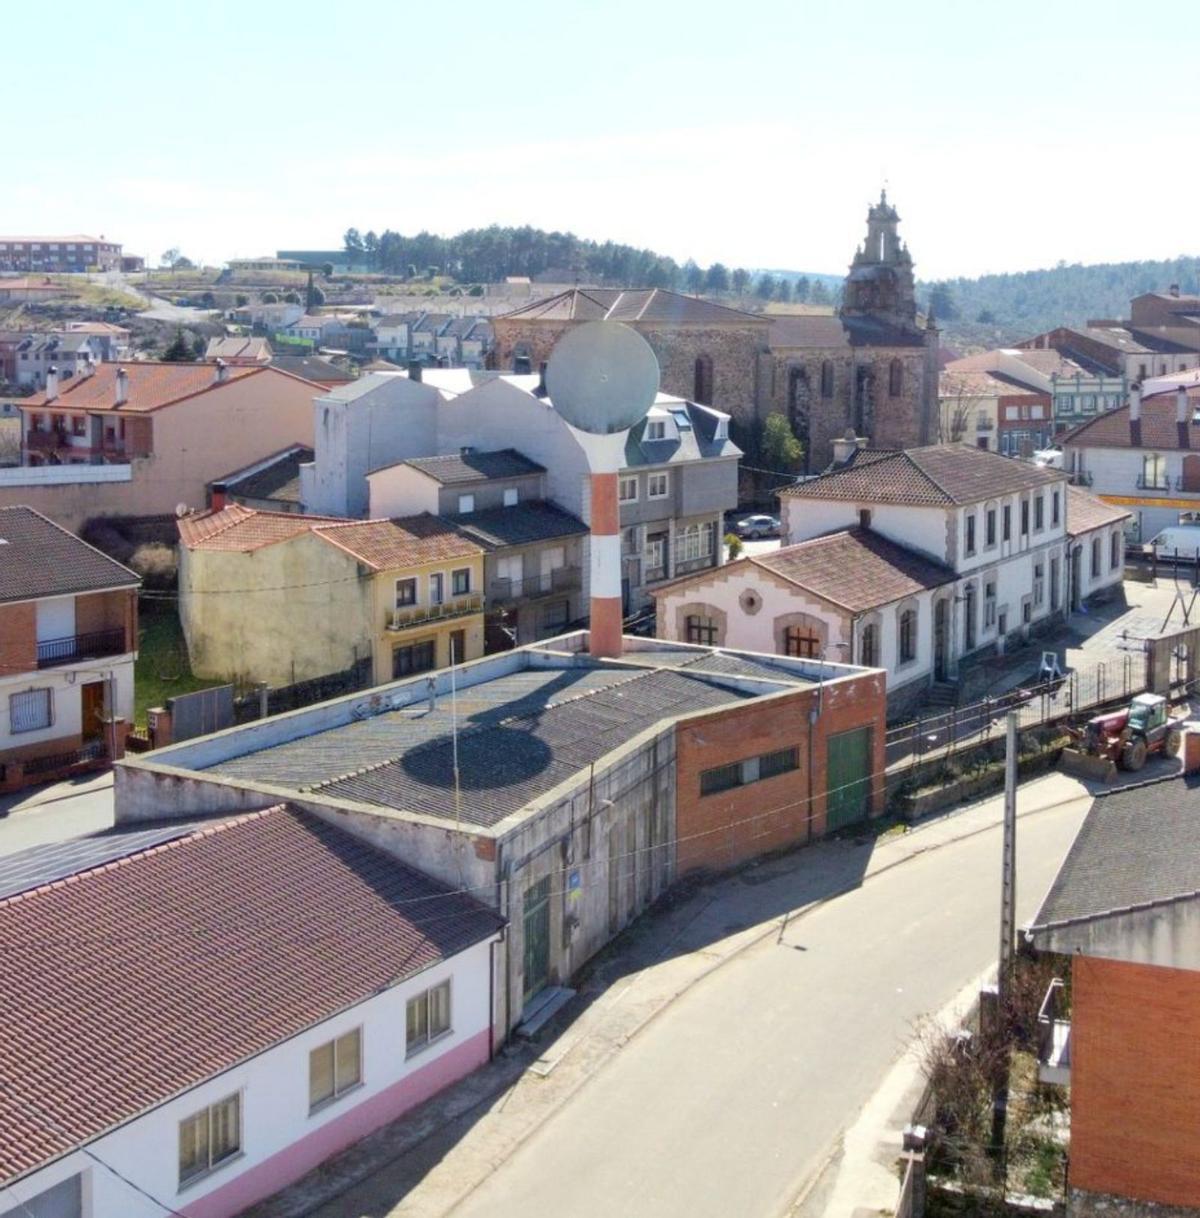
(68, 638)
(142, 438)
(336, 988)
(112, 340)
(69, 355)
(534, 550)
(74, 252)
(567, 790)
(1121, 915)
(910, 561)
(1144, 457)
(679, 479)
(992, 412)
(282, 597)
(452, 342)
(239, 349)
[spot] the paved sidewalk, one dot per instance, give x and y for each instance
(428, 1161)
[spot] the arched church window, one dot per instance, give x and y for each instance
(702, 388)
(895, 378)
(827, 378)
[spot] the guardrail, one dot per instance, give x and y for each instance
(74, 647)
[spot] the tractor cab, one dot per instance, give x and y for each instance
(1147, 712)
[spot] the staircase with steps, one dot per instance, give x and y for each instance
(942, 696)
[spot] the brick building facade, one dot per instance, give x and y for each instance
(871, 367)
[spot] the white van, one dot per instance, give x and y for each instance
(1181, 539)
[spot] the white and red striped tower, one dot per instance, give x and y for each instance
(602, 378)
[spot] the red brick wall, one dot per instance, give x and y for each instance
(731, 827)
(1135, 1081)
(18, 637)
(108, 611)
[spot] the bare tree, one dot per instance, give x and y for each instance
(959, 405)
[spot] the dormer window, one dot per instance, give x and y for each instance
(656, 429)
(722, 432)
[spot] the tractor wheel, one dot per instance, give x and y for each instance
(1133, 755)
(1173, 741)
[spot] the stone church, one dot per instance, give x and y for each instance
(872, 367)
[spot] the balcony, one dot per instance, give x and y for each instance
(54, 652)
(47, 441)
(985, 424)
(1054, 1037)
(1080, 477)
(1151, 482)
(1188, 484)
(408, 616)
(564, 579)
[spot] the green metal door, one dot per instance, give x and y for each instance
(848, 778)
(537, 937)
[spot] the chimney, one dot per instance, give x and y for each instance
(122, 394)
(414, 369)
(222, 374)
(51, 383)
(1181, 405)
(89, 367)
(1174, 289)
(846, 447)
(216, 496)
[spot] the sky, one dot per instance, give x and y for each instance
(1010, 135)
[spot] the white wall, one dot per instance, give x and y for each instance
(401, 490)
(1115, 472)
(922, 529)
(1108, 574)
(65, 685)
(275, 1114)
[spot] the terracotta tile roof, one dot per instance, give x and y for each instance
(39, 558)
(940, 474)
(389, 545)
(241, 529)
(150, 386)
(1156, 429)
(857, 569)
(632, 305)
(476, 467)
(132, 982)
(69, 239)
(239, 347)
(1086, 511)
(952, 383)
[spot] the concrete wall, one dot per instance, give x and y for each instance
(923, 529)
(1115, 473)
(283, 613)
(281, 1139)
(400, 490)
(1135, 1092)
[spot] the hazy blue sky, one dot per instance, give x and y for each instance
(1010, 135)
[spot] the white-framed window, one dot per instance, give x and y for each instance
(460, 581)
(427, 1017)
(989, 604)
(654, 555)
(510, 496)
(658, 486)
(209, 1138)
(334, 1068)
(627, 490)
(1039, 581)
(30, 710)
(656, 429)
(694, 542)
(406, 592)
(437, 588)
(629, 542)
(466, 503)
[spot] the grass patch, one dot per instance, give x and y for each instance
(162, 669)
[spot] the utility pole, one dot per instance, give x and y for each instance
(1008, 880)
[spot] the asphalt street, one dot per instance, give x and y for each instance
(729, 1102)
(55, 813)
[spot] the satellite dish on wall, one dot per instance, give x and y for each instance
(602, 377)
(181, 510)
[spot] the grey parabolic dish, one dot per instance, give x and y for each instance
(602, 377)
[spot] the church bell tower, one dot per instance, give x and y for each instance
(880, 282)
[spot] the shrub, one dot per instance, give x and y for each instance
(156, 564)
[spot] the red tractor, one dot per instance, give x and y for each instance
(1124, 739)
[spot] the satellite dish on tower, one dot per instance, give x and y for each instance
(602, 377)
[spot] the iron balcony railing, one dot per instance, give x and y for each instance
(1149, 482)
(415, 615)
(1080, 477)
(564, 579)
(74, 647)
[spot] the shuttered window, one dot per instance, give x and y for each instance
(30, 710)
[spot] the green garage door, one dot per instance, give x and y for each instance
(848, 778)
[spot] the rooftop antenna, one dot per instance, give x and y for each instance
(602, 378)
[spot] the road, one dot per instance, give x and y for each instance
(53, 814)
(729, 1101)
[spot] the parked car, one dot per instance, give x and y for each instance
(1181, 541)
(757, 526)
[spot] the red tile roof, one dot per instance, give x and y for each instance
(939, 474)
(1086, 511)
(242, 529)
(1156, 429)
(130, 983)
(389, 545)
(150, 386)
(647, 305)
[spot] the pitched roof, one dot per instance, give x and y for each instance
(520, 525)
(953, 383)
(40, 558)
(311, 368)
(141, 978)
(633, 305)
(931, 476)
(461, 468)
(1086, 511)
(857, 569)
(389, 545)
(238, 347)
(238, 529)
(808, 330)
(150, 386)
(277, 477)
(1157, 428)
(1137, 846)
